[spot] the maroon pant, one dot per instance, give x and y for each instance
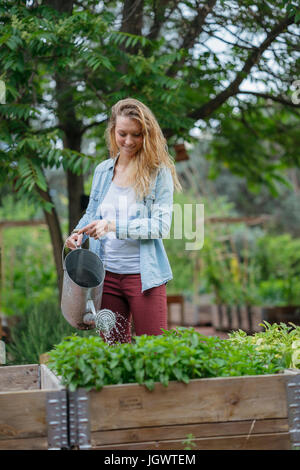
(122, 293)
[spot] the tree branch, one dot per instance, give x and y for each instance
(267, 96)
(195, 29)
(233, 88)
(159, 9)
(89, 126)
(197, 24)
(228, 42)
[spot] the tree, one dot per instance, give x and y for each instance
(65, 63)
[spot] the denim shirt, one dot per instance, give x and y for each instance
(152, 224)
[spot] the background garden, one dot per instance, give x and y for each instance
(222, 77)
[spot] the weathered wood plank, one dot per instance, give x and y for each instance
(278, 441)
(22, 377)
(201, 430)
(49, 380)
(209, 400)
(23, 414)
(37, 443)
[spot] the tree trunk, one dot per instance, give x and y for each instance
(71, 127)
(132, 23)
(56, 237)
(59, 5)
(132, 17)
(75, 191)
(72, 140)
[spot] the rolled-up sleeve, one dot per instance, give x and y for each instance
(158, 222)
(90, 213)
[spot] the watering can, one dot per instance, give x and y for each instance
(82, 291)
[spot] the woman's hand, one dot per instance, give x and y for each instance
(98, 228)
(74, 241)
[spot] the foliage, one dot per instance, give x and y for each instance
(181, 262)
(266, 273)
(278, 256)
(182, 354)
(38, 329)
(213, 178)
(272, 135)
(277, 269)
(283, 338)
(64, 64)
(189, 442)
(81, 50)
(185, 263)
(29, 275)
(89, 55)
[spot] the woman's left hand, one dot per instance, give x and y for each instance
(97, 228)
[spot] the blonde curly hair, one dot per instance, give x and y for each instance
(153, 153)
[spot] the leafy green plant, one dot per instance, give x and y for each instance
(189, 442)
(277, 258)
(177, 355)
(283, 338)
(279, 292)
(39, 328)
(186, 264)
(265, 275)
(28, 270)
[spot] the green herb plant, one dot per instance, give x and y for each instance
(189, 442)
(282, 339)
(176, 355)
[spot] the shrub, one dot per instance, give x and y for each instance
(38, 330)
(283, 338)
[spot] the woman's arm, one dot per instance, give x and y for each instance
(76, 239)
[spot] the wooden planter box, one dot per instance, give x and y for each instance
(233, 413)
(227, 318)
(26, 392)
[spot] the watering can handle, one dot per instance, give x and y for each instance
(63, 250)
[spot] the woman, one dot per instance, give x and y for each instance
(129, 212)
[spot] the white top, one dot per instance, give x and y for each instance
(120, 256)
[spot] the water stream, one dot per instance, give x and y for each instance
(106, 323)
(111, 336)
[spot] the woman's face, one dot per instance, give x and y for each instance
(129, 136)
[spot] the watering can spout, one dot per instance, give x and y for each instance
(90, 315)
(104, 320)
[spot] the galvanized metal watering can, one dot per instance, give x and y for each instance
(82, 291)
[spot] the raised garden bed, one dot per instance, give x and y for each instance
(155, 393)
(28, 395)
(146, 396)
(233, 413)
